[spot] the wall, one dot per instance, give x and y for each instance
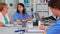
(12, 9)
(0, 0)
(21, 1)
(50, 13)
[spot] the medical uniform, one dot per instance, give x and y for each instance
(55, 29)
(20, 16)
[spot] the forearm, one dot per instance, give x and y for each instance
(44, 28)
(28, 19)
(18, 20)
(1, 24)
(11, 22)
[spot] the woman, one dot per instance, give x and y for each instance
(55, 8)
(3, 15)
(21, 15)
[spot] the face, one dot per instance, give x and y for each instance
(20, 8)
(5, 9)
(55, 11)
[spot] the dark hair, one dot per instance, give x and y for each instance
(54, 4)
(23, 12)
(2, 5)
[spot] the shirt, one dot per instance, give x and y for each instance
(2, 18)
(55, 29)
(6, 21)
(20, 16)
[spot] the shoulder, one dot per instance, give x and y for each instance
(16, 13)
(58, 21)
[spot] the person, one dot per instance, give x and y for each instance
(4, 19)
(21, 15)
(55, 8)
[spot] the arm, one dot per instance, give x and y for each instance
(44, 27)
(28, 19)
(11, 22)
(1, 24)
(53, 30)
(18, 20)
(15, 18)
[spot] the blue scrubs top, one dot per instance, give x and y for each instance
(20, 16)
(55, 29)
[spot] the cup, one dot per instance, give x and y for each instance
(29, 24)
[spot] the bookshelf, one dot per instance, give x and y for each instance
(42, 7)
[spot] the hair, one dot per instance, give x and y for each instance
(2, 5)
(23, 12)
(54, 4)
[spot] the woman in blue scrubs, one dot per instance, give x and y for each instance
(21, 15)
(55, 8)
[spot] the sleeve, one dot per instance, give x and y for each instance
(15, 17)
(55, 29)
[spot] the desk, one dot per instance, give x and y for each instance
(10, 30)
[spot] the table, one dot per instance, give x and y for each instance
(10, 30)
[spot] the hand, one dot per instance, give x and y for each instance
(42, 27)
(1, 24)
(28, 19)
(24, 21)
(11, 22)
(18, 20)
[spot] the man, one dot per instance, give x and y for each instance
(55, 8)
